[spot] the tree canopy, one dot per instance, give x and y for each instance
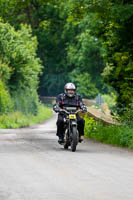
(83, 41)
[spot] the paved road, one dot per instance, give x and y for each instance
(33, 166)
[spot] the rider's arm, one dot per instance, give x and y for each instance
(56, 107)
(82, 105)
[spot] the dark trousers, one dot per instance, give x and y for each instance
(60, 125)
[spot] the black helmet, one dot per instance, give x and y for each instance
(69, 86)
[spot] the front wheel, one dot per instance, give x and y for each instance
(74, 141)
(66, 140)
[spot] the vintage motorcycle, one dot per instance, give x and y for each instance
(71, 136)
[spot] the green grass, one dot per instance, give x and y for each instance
(18, 119)
(116, 135)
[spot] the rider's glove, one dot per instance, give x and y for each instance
(56, 108)
(84, 109)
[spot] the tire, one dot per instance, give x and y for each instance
(66, 144)
(74, 141)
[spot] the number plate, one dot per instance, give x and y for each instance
(72, 116)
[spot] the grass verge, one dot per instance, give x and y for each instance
(18, 119)
(116, 135)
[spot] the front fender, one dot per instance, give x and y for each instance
(73, 123)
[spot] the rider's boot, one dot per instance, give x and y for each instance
(80, 139)
(61, 140)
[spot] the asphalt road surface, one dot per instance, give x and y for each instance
(33, 166)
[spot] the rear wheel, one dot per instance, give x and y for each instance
(74, 141)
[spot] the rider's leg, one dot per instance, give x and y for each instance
(60, 128)
(81, 124)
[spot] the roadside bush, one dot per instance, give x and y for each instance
(90, 125)
(26, 101)
(109, 100)
(116, 135)
(19, 119)
(127, 115)
(6, 104)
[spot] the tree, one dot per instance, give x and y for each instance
(58, 30)
(19, 65)
(112, 23)
(117, 40)
(85, 87)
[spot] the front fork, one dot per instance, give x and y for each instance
(71, 124)
(68, 127)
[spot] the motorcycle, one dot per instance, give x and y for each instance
(71, 136)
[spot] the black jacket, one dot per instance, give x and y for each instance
(63, 100)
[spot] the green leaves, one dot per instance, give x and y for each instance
(117, 40)
(6, 103)
(19, 69)
(5, 71)
(18, 50)
(66, 42)
(85, 87)
(73, 38)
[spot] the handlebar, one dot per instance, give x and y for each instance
(63, 110)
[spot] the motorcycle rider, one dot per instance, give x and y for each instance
(71, 99)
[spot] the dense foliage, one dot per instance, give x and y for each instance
(19, 69)
(6, 104)
(77, 41)
(112, 24)
(116, 23)
(64, 45)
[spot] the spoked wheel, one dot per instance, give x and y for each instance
(66, 141)
(74, 141)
